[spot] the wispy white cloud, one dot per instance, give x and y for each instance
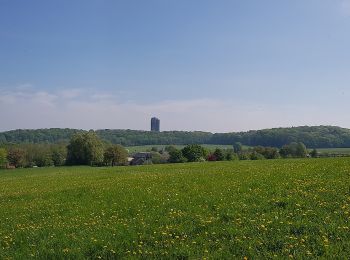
(93, 110)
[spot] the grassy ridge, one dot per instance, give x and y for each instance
(311, 136)
(258, 209)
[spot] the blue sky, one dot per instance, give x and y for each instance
(208, 65)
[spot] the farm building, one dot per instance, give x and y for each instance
(141, 158)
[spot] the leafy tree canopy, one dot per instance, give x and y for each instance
(85, 148)
(116, 155)
(313, 137)
(3, 157)
(194, 153)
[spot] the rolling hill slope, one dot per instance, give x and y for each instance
(311, 136)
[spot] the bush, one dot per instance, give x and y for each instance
(219, 154)
(267, 152)
(176, 156)
(237, 147)
(256, 156)
(314, 153)
(243, 156)
(295, 150)
(194, 153)
(211, 158)
(170, 148)
(230, 155)
(59, 154)
(39, 155)
(115, 155)
(154, 149)
(158, 158)
(16, 157)
(3, 157)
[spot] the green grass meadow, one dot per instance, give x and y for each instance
(224, 210)
(334, 150)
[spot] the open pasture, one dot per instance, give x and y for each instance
(334, 150)
(255, 209)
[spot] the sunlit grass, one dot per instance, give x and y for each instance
(253, 209)
(334, 150)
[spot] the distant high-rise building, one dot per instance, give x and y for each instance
(155, 124)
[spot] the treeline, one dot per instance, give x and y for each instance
(86, 148)
(37, 136)
(133, 137)
(123, 137)
(198, 153)
(313, 137)
(33, 155)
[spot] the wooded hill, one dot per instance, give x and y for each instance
(312, 137)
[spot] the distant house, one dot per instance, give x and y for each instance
(9, 166)
(141, 158)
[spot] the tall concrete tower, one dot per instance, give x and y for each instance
(155, 124)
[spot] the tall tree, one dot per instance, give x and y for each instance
(3, 157)
(219, 154)
(237, 147)
(85, 149)
(194, 153)
(294, 150)
(16, 157)
(116, 155)
(301, 150)
(42, 155)
(176, 156)
(59, 154)
(314, 153)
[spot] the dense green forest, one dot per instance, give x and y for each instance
(312, 137)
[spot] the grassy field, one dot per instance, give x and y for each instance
(334, 150)
(254, 209)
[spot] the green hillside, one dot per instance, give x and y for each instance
(312, 137)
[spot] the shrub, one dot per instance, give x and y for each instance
(267, 152)
(115, 155)
(194, 153)
(16, 157)
(237, 147)
(158, 158)
(219, 154)
(3, 157)
(294, 150)
(176, 156)
(256, 156)
(244, 156)
(230, 155)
